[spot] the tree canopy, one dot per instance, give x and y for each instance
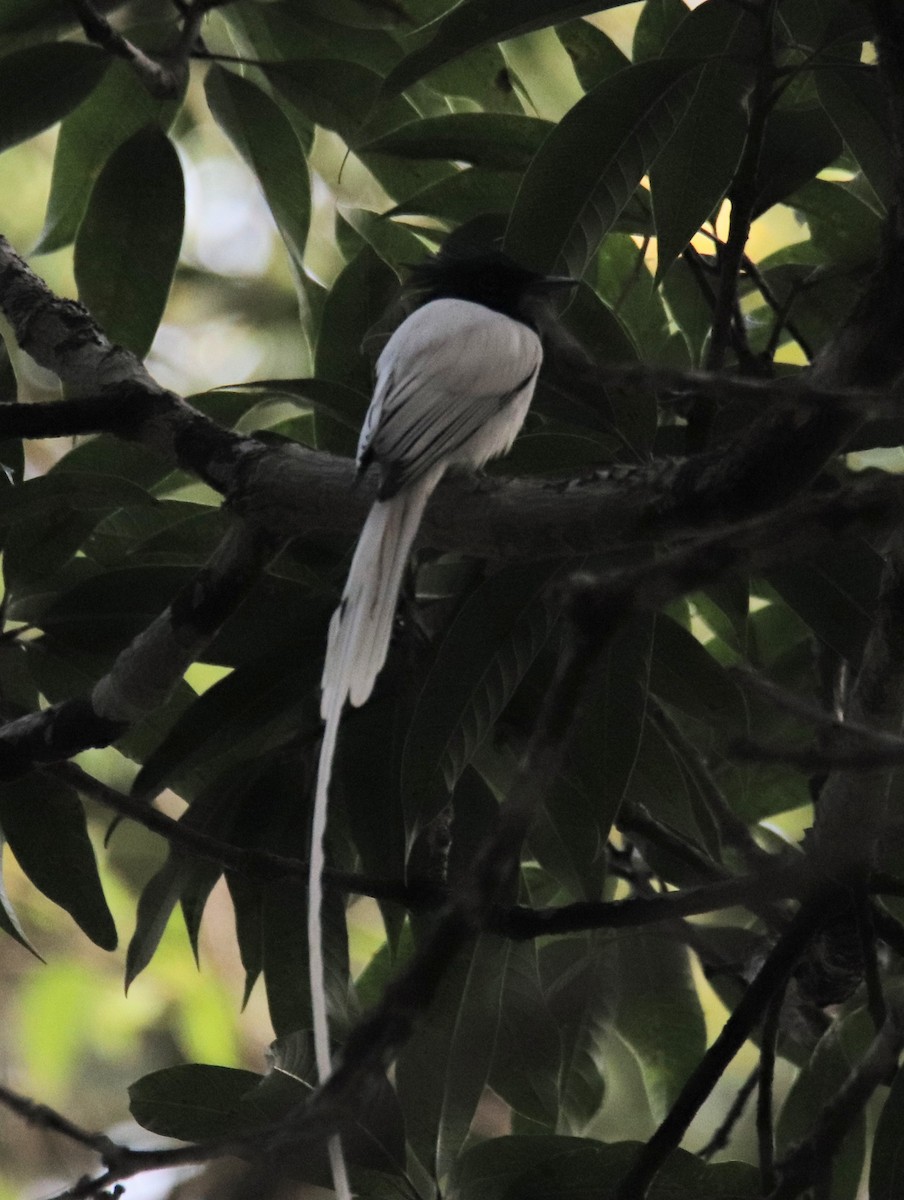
(631, 665)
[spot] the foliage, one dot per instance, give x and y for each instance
(527, 119)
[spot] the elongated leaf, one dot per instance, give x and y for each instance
(358, 300)
(257, 706)
(9, 920)
(659, 1014)
(43, 83)
(441, 1073)
(502, 141)
(464, 195)
(159, 898)
(117, 108)
(594, 55)
(526, 1057)
(886, 1172)
(580, 990)
(854, 100)
(336, 95)
(343, 404)
(695, 169)
(798, 144)
(835, 1056)
(194, 1101)
(658, 21)
(128, 243)
(600, 762)
(494, 639)
(835, 594)
(587, 1169)
(263, 136)
(44, 825)
(477, 22)
(588, 168)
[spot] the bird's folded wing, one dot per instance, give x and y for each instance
(457, 367)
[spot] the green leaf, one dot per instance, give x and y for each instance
(580, 992)
(194, 1101)
(343, 404)
(836, 1054)
(659, 1014)
(357, 301)
(441, 1072)
(461, 196)
(43, 83)
(658, 21)
(842, 228)
(854, 100)
(336, 95)
(476, 23)
(602, 754)
(626, 285)
(835, 594)
(585, 1169)
(118, 107)
(9, 920)
(256, 707)
(263, 136)
(128, 243)
(798, 144)
(526, 1057)
(694, 170)
(44, 825)
(495, 636)
(108, 610)
(502, 141)
(159, 897)
(886, 1171)
(586, 171)
(594, 56)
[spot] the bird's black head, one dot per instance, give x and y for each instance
(487, 277)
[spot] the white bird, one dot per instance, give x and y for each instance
(453, 386)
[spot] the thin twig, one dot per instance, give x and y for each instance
(722, 1136)
(771, 976)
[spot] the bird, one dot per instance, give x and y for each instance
(453, 386)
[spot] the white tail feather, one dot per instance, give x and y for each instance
(356, 650)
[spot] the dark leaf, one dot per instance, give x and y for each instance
(194, 1101)
(441, 1072)
(585, 1169)
(798, 144)
(43, 83)
(261, 133)
(854, 99)
(695, 169)
(659, 1013)
(658, 21)
(502, 141)
(44, 825)
(477, 22)
(118, 107)
(129, 240)
(588, 168)
(483, 656)
(594, 55)
(836, 1055)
